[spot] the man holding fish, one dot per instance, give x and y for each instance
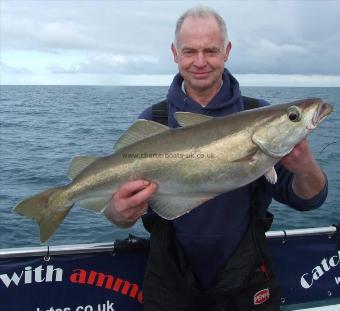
(213, 257)
(201, 170)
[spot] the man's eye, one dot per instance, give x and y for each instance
(212, 52)
(187, 52)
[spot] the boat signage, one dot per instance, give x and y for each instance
(307, 268)
(83, 282)
(321, 269)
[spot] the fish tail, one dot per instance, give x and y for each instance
(48, 209)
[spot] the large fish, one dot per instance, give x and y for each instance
(191, 164)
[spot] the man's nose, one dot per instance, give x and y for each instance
(200, 60)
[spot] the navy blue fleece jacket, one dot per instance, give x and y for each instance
(210, 233)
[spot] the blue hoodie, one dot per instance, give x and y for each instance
(211, 232)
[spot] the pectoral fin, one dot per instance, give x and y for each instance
(248, 157)
(271, 175)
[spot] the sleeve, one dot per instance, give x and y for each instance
(263, 103)
(146, 114)
(283, 192)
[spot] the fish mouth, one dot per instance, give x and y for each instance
(323, 110)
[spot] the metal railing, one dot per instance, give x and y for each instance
(110, 247)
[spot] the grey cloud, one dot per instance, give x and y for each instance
(296, 37)
(268, 57)
(104, 25)
(6, 69)
(268, 36)
(118, 64)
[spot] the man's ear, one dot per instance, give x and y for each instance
(174, 53)
(227, 51)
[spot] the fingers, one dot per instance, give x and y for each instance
(141, 196)
(298, 149)
(300, 159)
(132, 214)
(130, 202)
(127, 189)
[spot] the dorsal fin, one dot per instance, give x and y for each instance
(78, 164)
(189, 118)
(139, 130)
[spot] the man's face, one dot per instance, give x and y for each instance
(201, 54)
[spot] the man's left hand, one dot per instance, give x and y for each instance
(309, 179)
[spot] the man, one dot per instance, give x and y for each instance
(214, 258)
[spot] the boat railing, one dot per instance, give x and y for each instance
(110, 246)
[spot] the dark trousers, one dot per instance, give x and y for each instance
(242, 300)
(170, 283)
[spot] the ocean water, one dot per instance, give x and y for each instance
(43, 127)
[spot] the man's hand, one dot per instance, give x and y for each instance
(309, 179)
(130, 202)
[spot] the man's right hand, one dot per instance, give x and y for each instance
(130, 202)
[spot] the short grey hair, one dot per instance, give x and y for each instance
(202, 12)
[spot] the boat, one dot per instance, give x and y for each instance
(109, 276)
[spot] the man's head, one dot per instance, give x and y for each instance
(201, 48)
(202, 12)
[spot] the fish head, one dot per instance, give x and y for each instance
(284, 126)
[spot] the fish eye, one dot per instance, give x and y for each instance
(294, 114)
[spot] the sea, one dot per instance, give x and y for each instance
(43, 127)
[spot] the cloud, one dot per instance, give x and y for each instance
(117, 64)
(101, 25)
(134, 37)
(65, 35)
(6, 69)
(288, 80)
(274, 54)
(270, 57)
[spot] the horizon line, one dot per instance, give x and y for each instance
(167, 85)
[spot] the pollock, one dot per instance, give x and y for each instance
(203, 158)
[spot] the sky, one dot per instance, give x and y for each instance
(57, 42)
